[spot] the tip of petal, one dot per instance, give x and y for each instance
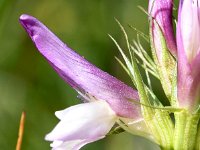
(59, 114)
(28, 22)
(24, 17)
(48, 137)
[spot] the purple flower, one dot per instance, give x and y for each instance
(107, 98)
(163, 42)
(188, 42)
(161, 13)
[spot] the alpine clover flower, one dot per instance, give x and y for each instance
(109, 104)
(106, 97)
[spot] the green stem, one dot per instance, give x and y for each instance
(167, 130)
(197, 146)
(185, 130)
(191, 131)
(179, 129)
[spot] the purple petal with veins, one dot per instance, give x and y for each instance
(79, 73)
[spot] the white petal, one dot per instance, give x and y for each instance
(190, 27)
(72, 145)
(83, 121)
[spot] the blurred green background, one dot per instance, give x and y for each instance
(27, 82)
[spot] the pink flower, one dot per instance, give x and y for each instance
(161, 13)
(163, 41)
(107, 98)
(188, 42)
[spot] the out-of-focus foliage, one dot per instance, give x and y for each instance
(28, 83)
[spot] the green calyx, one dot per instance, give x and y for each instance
(165, 62)
(171, 127)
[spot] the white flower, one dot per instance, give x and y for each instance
(82, 124)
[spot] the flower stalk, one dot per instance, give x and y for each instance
(197, 144)
(186, 130)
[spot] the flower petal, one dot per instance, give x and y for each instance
(161, 11)
(79, 73)
(90, 119)
(72, 145)
(82, 124)
(188, 55)
(189, 20)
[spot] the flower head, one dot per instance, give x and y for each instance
(108, 97)
(109, 103)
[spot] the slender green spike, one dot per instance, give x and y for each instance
(147, 69)
(143, 10)
(135, 73)
(146, 37)
(147, 76)
(159, 122)
(139, 54)
(123, 66)
(166, 108)
(129, 65)
(150, 60)
(126, 38)
(139, 50)
(153, 99)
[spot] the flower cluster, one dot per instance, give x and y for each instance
(109, 104)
